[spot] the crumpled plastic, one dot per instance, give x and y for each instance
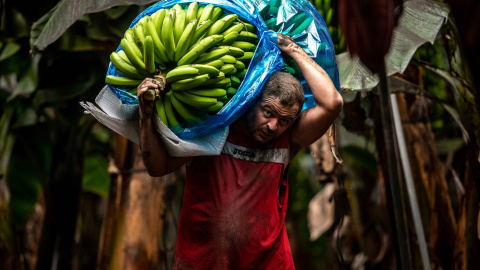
(289, 17)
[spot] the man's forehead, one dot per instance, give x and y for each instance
(275, 103)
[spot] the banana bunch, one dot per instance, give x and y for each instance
(202, 51)
(325, 8)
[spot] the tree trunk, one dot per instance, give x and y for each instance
(426, 166)
(434, 199)
(133, 226)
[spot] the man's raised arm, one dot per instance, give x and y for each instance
(155, 155)
(313, 122)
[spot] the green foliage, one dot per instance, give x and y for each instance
(96, 178)
(29, 165)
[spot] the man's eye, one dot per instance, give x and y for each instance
(283, 121)
(267, 112)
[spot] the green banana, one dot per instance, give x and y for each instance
(200, 31)
(228, 59)
(246, 57)
(236, 28)
(225, 99)
(228, 69)
(209, 82)
(239, 65)
(211, 109)
(180, 73)
(231, 91)
(272, 23)
(328, 17)
(215, 107)
(244, 45)
(327, 5)
(248, 27)
(184, 112)
(200, 11)
(124, 57)
(240, 74)
(130, 37)
(190, 83)
(177, 8)
(179, 25)
(216, 13)
(274, 6)
(192, 11)
(233, 51)
(203, 45)
(138, 31)
(229, 38)
(160, 107)
(158, 20)
(210, 92)
(158, 48)
(229, 19)
(206, 13)
(122, 81)
(225, 83)
(318, 4)
(216, 63)
(194, 100)
(215, 28)
(247, 36)
(167, 36)
(184, 41)
(206, 69)
(301, 27)
(123, 67)
(134, 59)
(149, 54)
(212, 55)
(172, 119)
(290, 70)
(235, 81)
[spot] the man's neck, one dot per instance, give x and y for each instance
(241, 126)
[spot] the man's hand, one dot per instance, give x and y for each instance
(146, 105)
(287, 45)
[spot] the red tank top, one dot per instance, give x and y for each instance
(234, 206)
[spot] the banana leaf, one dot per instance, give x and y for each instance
(52, 25)
(419, 23)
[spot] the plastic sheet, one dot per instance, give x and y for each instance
(266, 60)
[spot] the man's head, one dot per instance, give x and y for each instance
(276, 108)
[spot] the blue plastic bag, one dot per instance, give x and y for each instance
(315, 40)
(266, 60)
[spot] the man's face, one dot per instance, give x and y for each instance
(269, 119)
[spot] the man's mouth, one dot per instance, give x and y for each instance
(266, 134)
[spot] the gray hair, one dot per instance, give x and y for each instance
(285, 87)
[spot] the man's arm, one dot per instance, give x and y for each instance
(154, 154)
(313, 122)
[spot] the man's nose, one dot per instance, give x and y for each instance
(272, 124)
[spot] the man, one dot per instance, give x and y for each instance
(234, 204)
